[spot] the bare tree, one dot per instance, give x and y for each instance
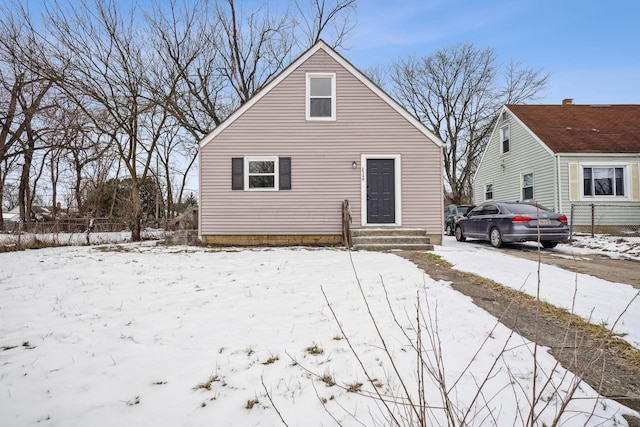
(99, 57)
(255, 46)
(25, 100)
(318, 17)
(11, 128)
(457, 92)
(189, 85)
(188, 80)
(77, 148)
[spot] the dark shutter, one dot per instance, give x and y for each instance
(237, 173)
(285, 173)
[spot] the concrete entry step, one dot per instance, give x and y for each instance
(388, 239)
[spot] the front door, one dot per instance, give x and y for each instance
(381, 196)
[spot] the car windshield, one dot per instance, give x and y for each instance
(463, 209)
(524, 208)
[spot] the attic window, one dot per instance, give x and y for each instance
(505, 136)
(321, 96)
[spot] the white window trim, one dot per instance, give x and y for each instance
(625, 174)
(276, 171)
(308, 96)
(502, 139)
(533, 184)
(485, 191)
(397, 167)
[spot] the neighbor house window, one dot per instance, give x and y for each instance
(321, 96)
(261, 173)
(488, 192)
(505, 136)
(527, 186)
(603, 181)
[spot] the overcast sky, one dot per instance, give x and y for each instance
(590, 48)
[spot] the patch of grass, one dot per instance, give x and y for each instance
(207, 384)
(328, 380)
(599, 333)
(115, 248)
(354, 388)
(314, 350)
(338, 338)
(270, 360)
(28, 242)
(251, 403)
(436, 259)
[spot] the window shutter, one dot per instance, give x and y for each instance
(285, 173)
(237, 173)
(574, 187)
(635, 182)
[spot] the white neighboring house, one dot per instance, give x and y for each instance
(563, 156)
(12, 216)
(39, 213)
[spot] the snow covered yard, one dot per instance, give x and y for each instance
(140, 334)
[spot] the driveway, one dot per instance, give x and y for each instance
(615, 375)
(620, 270)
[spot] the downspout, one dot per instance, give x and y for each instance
(558, 207)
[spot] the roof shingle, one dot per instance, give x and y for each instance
(573, 128)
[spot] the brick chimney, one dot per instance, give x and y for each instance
(567, 101)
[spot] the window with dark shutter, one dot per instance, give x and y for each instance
(261, 173)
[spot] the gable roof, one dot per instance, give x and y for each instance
(344, 63)
(572, 128)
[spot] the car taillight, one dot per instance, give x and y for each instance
(520, 219)
(562, 218)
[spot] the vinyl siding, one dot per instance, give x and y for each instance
(608, 211)
(321, 154)
(505, 170)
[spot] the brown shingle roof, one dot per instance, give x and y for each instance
(576, 128)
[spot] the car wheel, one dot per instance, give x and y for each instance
(459, 236)
(495, 237)
(447, 230)
(549, 245)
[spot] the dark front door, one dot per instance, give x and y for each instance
(381, 198)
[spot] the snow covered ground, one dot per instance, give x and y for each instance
(596, 300)
(139, 334)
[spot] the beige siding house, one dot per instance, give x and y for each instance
(581, 160)
(278, 170)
